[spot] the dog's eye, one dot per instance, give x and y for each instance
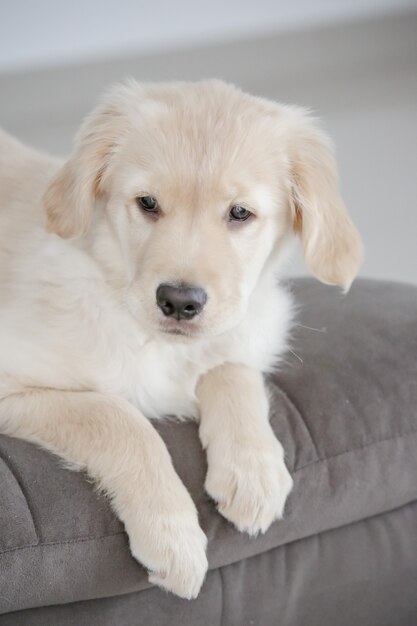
(148, 204)
(239, 214)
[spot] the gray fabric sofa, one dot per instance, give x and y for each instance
(345, 410)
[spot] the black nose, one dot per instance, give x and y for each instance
(183, 302)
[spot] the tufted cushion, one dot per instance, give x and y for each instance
(344, 405)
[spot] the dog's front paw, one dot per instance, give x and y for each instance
(173, 548)
(249, 483)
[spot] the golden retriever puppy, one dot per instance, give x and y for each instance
(139, 279)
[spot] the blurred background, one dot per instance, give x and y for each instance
(354, 62)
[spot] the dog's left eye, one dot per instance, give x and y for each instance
(148, 204)
(239, 214)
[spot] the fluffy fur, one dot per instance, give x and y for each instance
(86, 355)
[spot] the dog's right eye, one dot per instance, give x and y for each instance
(148, 204)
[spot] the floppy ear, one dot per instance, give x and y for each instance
(70, 198)
(331, 244)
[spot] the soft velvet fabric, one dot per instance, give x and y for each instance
(362, 574)
(344, 405)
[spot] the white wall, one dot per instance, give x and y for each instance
(36, 33)
(361, 78)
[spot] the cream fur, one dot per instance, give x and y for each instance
(85, 353)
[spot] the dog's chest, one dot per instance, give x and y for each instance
(160, 380)
(156, 376)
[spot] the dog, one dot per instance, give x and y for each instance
(139, 278)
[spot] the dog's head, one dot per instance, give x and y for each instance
(185, 192)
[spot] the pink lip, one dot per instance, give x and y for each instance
(172, 327)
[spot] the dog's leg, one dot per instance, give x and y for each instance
(119, 448)
(246, 474)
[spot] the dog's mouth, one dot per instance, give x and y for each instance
(179, 328)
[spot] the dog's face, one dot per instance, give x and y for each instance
(186, 192)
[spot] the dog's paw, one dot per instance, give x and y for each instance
(173, 549)
(250, 484)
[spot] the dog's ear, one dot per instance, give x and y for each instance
(71, 196)
(331, 244)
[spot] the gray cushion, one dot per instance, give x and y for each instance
(344, 409)
(361, 574)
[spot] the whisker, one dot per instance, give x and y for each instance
(296, 356)
(317, 330)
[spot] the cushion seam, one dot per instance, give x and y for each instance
(61, 543)
(298, 413)
(222, 588)
(366, 445)
(12, 469)
(320, 532)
